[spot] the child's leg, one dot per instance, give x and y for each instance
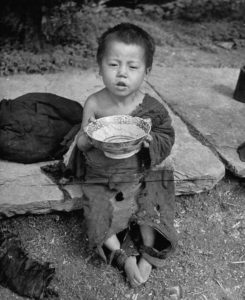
(130, 267)
(112, 243)
(148, 237)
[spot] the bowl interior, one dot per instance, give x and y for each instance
(118, 129)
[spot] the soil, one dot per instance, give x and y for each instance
(209, 263)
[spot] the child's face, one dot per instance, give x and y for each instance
(123, 68)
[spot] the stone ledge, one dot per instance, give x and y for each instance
(25, 189)
(203, 97)
(196, 167)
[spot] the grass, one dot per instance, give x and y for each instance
(209, 262)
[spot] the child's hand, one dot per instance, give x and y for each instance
(84, 142)
(147, 141)
(149, 138)
(148, 120)
(91, 119)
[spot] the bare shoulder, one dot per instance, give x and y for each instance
(93, 99)
(91, 107)
(90, 101)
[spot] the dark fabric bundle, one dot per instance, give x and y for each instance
(239, 93)
(22, 274)
(32, 127)
(241, 151)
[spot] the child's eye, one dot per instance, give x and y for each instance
(112, 64)
(133, 67)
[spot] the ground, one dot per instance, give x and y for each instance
(210, 259)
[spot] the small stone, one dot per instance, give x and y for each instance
(226, 45)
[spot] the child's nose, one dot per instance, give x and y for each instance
(122, 71)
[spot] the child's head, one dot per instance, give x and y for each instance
(129, 34)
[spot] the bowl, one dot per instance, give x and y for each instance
(118, 136)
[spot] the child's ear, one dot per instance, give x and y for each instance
(147, 71)
(100, 70)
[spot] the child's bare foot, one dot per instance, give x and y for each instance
(132, 272)
(144, 268)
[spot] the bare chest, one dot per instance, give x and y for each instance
(116, 110)
(110, 109)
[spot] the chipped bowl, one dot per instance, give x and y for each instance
(118, 136)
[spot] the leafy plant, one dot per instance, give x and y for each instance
(197, 10)
(70, 29)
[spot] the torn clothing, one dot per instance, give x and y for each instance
(122, 192)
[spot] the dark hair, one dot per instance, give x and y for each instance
(129, 34)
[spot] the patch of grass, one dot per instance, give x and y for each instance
(208, 264)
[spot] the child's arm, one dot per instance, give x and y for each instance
(162, 134)
(83, 141)
(163, 137)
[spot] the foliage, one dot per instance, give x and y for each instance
(68, 30)
(70, 40)
(59, 58)
(196, 10)
(206, 9)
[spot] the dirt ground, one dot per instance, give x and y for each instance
(209, 263)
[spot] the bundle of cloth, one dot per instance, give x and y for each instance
(21, 273)
(241, 151)
(33, 127)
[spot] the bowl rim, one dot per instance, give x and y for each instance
(116, 143)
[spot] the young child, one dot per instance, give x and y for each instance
(126, 195)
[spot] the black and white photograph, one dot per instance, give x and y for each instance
(122, 149)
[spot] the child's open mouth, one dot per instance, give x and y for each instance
(121, 84)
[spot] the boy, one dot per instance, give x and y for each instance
(125, 194)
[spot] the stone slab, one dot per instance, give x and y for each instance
(203, 98)
(25, 189)
(76, 85)
(196, 168)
